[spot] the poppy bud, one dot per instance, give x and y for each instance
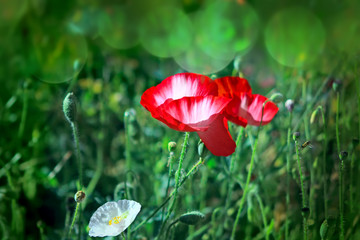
(237, 63)
(313, 115)
(202, 150)
(76, 65)
(277, 98)
(343, 155)
(336, 85)
(79, 196)
(171, 146)
(296, 136)
(191, 218)
(69, 107)
(289, 104)
(324, 229)
(305, 211)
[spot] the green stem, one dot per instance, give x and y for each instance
(352, 165)
(341, 198)
(306, 121)
(190, 172)
(288, 156)
(74, 217)
(324, 162)
(262, 210)
(169, 227)
(337, 121)
(99, 156)
(246, 189)
(177, 181)
(171, 160)
(127, 140)
(231, 169)
(24, 112)
(77, 153)
(303, 193)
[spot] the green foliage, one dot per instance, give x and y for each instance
(99, 52)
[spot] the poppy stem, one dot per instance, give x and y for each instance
(24, 111)
(189, 173)
(246, 189)
(231, 170)
(337, 120)
(261, 205)
(177, 181)
(303, 193)
(288, 178)
(171, 163)
(324, 161)
(74, 218)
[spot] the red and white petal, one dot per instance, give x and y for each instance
(176, 87)
(217, 138)
(232, 86)
(195, 112)
(249, 107)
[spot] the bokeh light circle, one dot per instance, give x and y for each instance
(345, 32)
(59, 56)
(295, 37)
(118, 27)
(196, 60)
(226, 28)
(166, 32)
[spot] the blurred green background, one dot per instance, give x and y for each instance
(109, 52)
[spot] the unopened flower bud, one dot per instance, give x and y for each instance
(69, 107)
(313, 115)
(296, 136)
(305, 211)
(202, 150)
(343, 155)
(324, 229)
(237, 63)
(171, 146)
(191, 218)
(336, 85)
(277, 98)
(289, 104)
(79, 196)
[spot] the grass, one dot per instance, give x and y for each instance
(256, 193)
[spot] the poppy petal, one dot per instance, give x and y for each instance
(232, 86)
(195, 112)
(249, 106)
(217, 138)
(176, 87)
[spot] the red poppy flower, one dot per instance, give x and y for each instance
(189, 102)
(245, 107)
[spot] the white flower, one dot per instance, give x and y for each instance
(113, 218)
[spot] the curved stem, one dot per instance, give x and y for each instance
(231, 169)
(337, 121)
(171, 159)
(246, 189)
(177, 178)
(324, 162)
(74, 218)
(190, 172)
(262, 210)
(288, 178)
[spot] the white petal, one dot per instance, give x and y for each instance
(113, 218)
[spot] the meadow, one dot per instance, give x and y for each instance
(273, 152)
